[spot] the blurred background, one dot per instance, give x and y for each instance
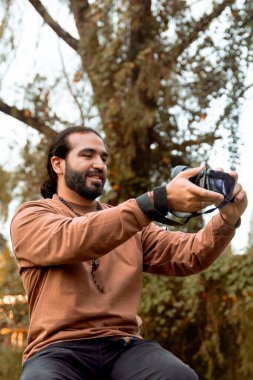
(166, 83)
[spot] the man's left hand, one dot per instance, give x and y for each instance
(232, 211)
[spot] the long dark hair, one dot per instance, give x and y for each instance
(59, 147)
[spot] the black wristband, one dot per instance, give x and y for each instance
(160, 200)
(146, 206)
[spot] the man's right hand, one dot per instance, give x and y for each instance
(184, 196)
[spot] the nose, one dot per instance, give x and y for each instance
(99, 164)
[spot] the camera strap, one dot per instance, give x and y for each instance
(188, 215)
(160, 208)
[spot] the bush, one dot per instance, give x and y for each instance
(10, 363)
(205, 319)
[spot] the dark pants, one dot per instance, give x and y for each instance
(105, 359)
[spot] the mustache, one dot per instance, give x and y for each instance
(97, 172)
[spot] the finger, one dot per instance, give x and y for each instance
(191, 172)
(237, 190)
(238, 197)
(241, 196)
(206, 195)
(234, 175)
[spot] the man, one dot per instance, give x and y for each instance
(81, 262)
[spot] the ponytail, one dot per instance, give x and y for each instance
(48, 188)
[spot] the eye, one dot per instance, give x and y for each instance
(104, 159)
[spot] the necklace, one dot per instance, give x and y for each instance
(94, 263)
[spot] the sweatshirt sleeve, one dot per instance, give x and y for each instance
(43, 237)
(181, 254)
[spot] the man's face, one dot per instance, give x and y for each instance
(85, 165)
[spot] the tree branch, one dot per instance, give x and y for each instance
(206, 139)
(200, 27)
(27, 118)
(140, 25)
(87, 28)
(242, 93)
(80, 9)
(65, 36)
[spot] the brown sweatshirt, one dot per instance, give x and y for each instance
(54, 249)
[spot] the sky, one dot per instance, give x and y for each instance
(15, 134)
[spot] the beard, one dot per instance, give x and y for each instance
(77, 181)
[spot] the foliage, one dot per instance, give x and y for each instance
(205, 319)
(10, 363)
(13, 315)
(6, 192)
(31, 171)
(13, 306)
(9, 278)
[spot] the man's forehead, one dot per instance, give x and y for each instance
(79, 141)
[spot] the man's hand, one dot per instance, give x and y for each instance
(232, 211)
(184, 196)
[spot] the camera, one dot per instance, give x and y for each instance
(213, 180)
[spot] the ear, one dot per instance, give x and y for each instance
(58, 164)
